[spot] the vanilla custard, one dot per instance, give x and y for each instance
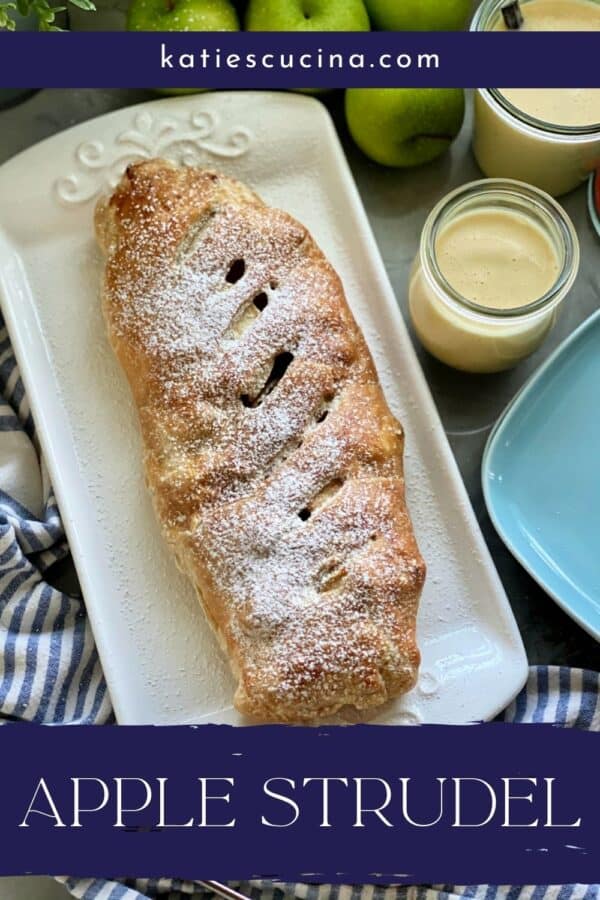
(520, 132)
(558, 15)
(559, 106)
(497, 258)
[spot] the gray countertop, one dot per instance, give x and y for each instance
(397, 203)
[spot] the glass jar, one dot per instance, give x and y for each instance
(509, 143)
(462, 333)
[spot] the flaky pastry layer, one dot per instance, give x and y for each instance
(273, 460)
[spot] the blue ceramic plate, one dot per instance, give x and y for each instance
(541, 475)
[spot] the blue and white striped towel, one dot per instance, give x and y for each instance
(50, 672)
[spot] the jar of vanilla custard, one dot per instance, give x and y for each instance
(496, 260)
(549, 137)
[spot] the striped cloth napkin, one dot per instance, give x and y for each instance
(50, 672)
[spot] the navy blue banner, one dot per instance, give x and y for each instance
(473, 804)
(299, 60)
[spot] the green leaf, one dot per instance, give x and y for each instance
(45, 14)
(6, 22)
(84, 4)
(23, 7)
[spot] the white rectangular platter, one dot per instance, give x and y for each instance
(161, 660)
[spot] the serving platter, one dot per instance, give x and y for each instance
(540, 475)
(161, 660)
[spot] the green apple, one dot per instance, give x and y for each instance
(419, 15)
(404, 126)
(307, 15)
(182, 15)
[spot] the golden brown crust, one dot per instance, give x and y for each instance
(274, 462)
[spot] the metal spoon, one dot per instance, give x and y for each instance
(222, 890)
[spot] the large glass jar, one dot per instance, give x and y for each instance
(509, 143)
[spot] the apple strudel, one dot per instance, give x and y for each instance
(274, 463)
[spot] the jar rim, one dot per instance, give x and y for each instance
(544, 204)
(568, 131)
(480, 21)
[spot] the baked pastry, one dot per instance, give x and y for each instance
(273, 460)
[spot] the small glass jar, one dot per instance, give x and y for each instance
(508, 143)
(464, 334)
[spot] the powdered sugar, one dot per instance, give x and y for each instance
(264, 492)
